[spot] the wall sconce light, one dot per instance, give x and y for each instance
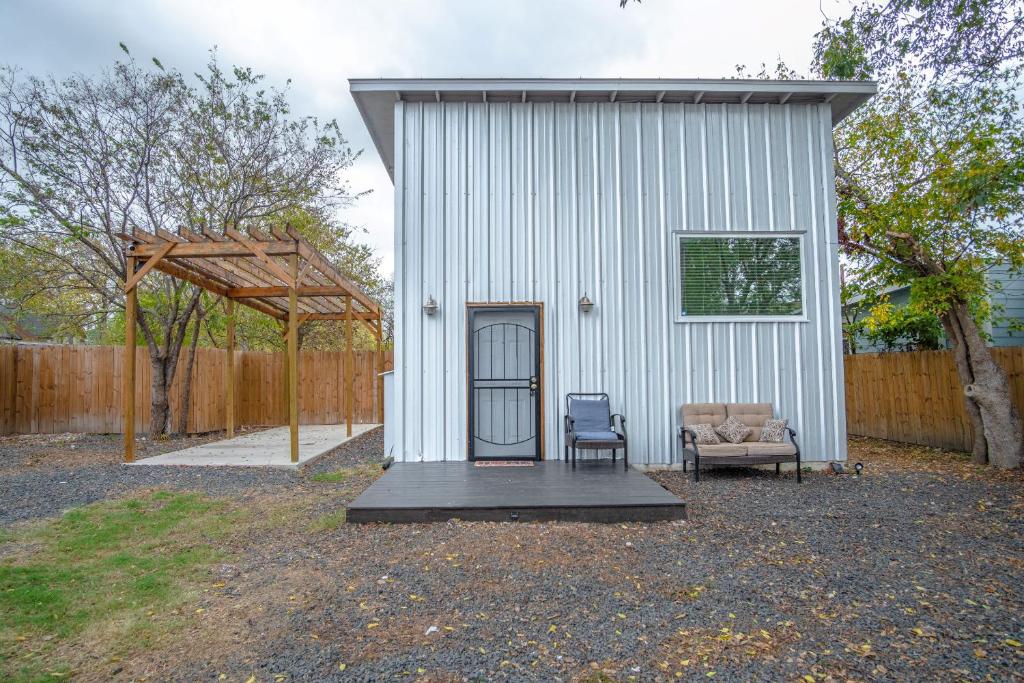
(586, 305)
(430, 306)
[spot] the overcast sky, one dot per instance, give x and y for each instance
(320, 44)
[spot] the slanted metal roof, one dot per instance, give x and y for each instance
(376, 97)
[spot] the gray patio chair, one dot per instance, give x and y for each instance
(590, 425)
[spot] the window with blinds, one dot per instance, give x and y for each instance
(743, 275)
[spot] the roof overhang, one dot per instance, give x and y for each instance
(376, 97)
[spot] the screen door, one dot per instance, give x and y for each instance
(504, 382)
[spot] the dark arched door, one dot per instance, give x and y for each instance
(504, 382)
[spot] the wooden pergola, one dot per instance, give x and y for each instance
(281, 275)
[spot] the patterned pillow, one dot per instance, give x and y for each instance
(705, 434)
(773, 430)
(733, 431)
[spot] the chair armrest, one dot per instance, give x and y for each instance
(683, 432)
(569, 420)
(622, 421)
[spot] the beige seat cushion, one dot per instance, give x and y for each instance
(751, 414)
(723, 449)
(766, 448)
(697, 413)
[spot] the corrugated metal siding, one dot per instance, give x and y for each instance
(548, 201)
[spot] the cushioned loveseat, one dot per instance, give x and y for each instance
(750, 451)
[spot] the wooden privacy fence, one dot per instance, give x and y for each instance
(916, 397)
(52, 389)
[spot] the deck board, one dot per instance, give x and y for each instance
(438, 491)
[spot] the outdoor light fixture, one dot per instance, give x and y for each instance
(859, 467)
(586, 305)
(430, 306)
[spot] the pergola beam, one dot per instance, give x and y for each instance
(260, 251)
(148, 266)
(309, 252)
(307, 291)
(176, 270)
(217, 249)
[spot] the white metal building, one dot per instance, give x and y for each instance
(697, 216)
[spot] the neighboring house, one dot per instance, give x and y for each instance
(1007, 301)
(664, 241)
(16, 325)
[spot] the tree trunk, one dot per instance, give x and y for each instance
(186, 387)
(998, 432)
(159, 395)
(164, 361)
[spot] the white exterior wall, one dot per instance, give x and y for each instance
(544, 202)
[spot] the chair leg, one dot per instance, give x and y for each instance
(565, 458)
(613, 456)
(778, 468)
(625, 456)
(696, 467)
(684, 465)
(799, 478)
(574, 456)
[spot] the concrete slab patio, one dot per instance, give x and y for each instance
(268, 448)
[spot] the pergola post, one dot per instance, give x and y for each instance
(380, 370)
(293, 353)
(284, 370)
(349, 368)
(229, 385)
(128, 399)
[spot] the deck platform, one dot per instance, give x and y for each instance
(549, 491)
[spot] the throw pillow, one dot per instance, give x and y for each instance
(733, 431)
(705, 434)
(773, 430)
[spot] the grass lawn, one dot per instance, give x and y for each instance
(114, 571)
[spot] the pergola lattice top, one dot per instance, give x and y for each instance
(281, 275)
(254, 270)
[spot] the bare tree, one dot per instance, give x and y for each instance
(86, 160)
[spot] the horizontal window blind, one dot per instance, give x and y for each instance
(740, 276)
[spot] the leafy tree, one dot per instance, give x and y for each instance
(87, 159)
(869, 317)
(897, 328)
(957, 42)
(930, 176)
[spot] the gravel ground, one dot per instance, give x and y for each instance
(910, 572)
(44, 475)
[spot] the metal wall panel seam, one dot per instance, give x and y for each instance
(399, 365)
(768, 167)
(666, 306)
(796, 330)
(747, 166)
(818, 254)
(832, 258)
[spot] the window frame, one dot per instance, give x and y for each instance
(677, 285)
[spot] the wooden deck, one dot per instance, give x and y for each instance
(437, 491)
